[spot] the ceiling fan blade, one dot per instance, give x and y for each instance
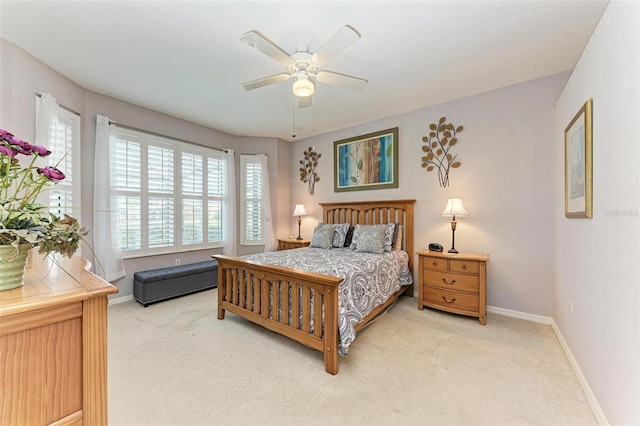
(304, 102)
(350, 82)
(266, 46)
(266, 81)
(338, 42)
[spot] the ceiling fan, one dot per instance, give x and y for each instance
(305, 66)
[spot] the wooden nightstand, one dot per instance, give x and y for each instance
(453, 283)
(288, 243)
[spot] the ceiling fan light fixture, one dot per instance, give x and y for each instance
(303, 87)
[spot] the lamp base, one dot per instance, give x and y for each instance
(298, 238)
(453, 251)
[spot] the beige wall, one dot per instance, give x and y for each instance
(597, 261)
(505, 182)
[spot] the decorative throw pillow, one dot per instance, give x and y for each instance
(347, 240)
(397, 243)
(323, 237)
(340, 234)
(388, 234)
(371, 240)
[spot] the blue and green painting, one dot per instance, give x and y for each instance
(366, 162)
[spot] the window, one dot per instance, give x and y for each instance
(170, 194)
(64, 196)
(251, 208)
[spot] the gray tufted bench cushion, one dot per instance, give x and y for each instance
(161, 284)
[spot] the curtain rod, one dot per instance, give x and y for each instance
(124, 126)
(38, 94)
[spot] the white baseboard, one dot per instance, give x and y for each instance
(521, 315)
(121, 299)
(591, 398)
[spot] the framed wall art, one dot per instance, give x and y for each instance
(578, 164)
(366, 162)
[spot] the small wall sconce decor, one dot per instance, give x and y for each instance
(299, 211)
(454, 208)
(308, 173)
(438, 144)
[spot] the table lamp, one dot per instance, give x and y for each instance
(454, 208)
(299, 211)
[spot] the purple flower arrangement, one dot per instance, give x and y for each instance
(22, 219)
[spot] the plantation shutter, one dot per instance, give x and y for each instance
(127, 157)
(216, 184)
(252, 200)
(160, 186)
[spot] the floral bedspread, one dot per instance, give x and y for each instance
(369, 279)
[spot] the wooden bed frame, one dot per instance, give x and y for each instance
(236, 276)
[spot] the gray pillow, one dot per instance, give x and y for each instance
(371, 240)
(340, 234)
(323, 236)
(388, 235)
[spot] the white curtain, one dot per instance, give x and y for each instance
(229, 239)
(269, 242)
(47, 119)
(46, 125)
(106, 233)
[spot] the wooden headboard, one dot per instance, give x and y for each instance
(373, 213)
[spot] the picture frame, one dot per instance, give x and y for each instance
(578, 164)
(366, 162)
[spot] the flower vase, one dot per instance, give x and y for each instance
(12, 270)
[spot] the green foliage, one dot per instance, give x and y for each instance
(22, 219)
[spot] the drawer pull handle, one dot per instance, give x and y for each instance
(464, 266)
(453, 299)
(434, 263)
(452, 282)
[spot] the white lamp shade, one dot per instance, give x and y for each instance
(454, 208)
(299, 210)
(303, 87)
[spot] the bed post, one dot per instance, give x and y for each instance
(222, 289)
(331, 329)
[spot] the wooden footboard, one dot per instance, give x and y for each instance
(255, 291)
(283, 300)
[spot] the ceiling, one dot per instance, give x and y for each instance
(186, 58)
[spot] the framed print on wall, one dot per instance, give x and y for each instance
(366, 162)
(578, 164)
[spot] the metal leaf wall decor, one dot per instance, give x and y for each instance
(308, 173)
(442, 137)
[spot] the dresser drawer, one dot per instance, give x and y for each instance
(451, 281)
(465, 266)
(451, 300)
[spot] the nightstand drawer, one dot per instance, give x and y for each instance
(289, 244)
(451, 281)
(465, 266)
(451, 300)
(436, 264)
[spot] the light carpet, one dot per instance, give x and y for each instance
(175, 363)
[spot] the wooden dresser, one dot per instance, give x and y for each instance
(53, 345)
(292, 243)
(454, 283)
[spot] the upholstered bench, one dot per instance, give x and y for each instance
(161, 284)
